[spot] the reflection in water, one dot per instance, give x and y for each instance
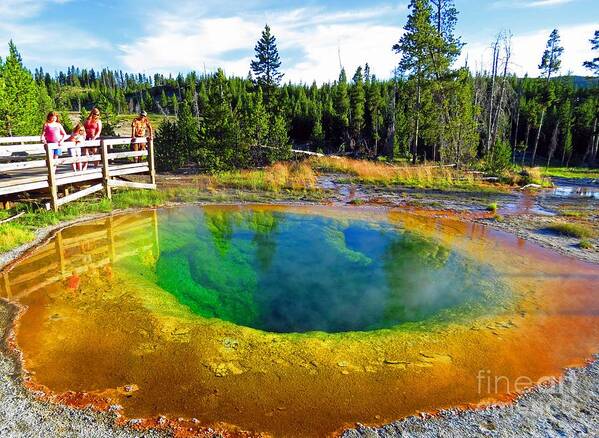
(285, 272)
(129, 302)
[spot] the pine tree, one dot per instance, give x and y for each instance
(341, 106)
(220, 138)
(266, 65)
(163, 102)
(169, 153)
(551, 60)
(567, 119)
(19, 108)
(188, 142)
(416, 45)
(278, 139)
(254, 122)
(375, 120)
(317, 135)
(358, 100)
(445, 18)
(174, 104)
(593, 65)
(550, 64)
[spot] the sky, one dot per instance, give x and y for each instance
(314, 37)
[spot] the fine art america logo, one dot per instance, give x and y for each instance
(489, 384)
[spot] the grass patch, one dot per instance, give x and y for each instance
(13, 235)
(528, 175)
(573, 213)
(492, 207)
(423, 177)
(571, 230)
(295, 176)
(357, 201)
(572, 172)
(534, 175)
(585, 244)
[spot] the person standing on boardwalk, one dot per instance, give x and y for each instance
(93, 129)
(53, 132)
(139, 127)
(77, 137)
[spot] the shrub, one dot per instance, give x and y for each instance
(499, 159)
(571, 230)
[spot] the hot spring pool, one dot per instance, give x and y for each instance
(295, 321)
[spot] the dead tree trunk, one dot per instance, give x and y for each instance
(552, 144)
(416, 134)
(534, 151)
(491, 101)
(526, 142)
(588, 155)
(516, 136)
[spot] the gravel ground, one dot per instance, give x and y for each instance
(570, 408)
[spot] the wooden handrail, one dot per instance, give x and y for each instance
(15, 140)
(9, 144)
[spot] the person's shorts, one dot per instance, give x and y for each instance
(75, 152)
(57, 152)
(138, 146)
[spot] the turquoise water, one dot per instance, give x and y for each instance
(288, 272)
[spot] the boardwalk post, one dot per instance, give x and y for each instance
(105, 172)
(110, 231)
(7, 285)
(51, 178)
(59, 248)
(151, 161)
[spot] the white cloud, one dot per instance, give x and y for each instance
(47, 45)
(529, 3)
(527, 50)
(543, 3)
(18, 9)
(190, 43)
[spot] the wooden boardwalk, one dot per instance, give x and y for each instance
(28, 166)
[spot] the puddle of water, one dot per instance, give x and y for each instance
(162, 302)
(526, 203)
(576, 191)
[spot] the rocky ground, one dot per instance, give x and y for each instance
(568, 409)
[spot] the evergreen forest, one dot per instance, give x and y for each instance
(430, 108)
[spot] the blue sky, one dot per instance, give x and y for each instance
(171, 36)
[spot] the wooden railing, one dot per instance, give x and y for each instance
(28, 165)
